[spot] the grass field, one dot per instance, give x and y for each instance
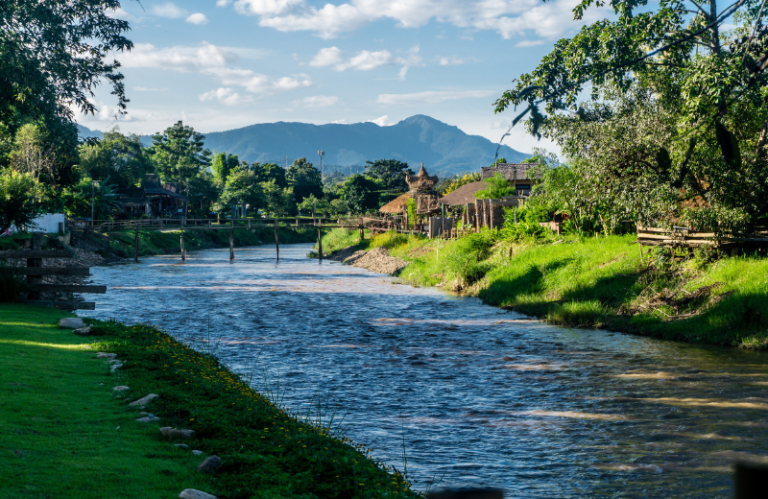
(65, 433)
(596, 282)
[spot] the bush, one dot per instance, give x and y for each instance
(11, 285)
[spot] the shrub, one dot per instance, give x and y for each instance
(11, 285)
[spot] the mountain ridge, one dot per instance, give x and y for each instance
(445, 149)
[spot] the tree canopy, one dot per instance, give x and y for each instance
(676, 125)
(390, 173)
(305, 179)
(179, 152)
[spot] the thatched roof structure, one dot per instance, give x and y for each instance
(397, 205)
(464, 194)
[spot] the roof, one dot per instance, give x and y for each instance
(464, 194)
(159, 191)
(130, 202)
(511, 171)
(397, 205)
(421, 181)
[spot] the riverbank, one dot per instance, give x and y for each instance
(68, 433)
(593, 283)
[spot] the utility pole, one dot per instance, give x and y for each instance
(321, 153)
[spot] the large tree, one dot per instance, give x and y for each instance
(52, 56)
(390, 172)
(121, 158)
(179, 152)
(678, 111)
(305, 179)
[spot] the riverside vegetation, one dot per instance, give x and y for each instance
(592, 282)
(67, 433)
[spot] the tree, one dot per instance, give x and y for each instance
(270, 171)
(30, 154)
(53, 56)
(390, 173)
(179, 152)
(222, 165)
(119, 157)
(358, 193)
(457, 182)
(203, 192)
(678, 109)
(242, 192)
(305, 179)
(498, 187)
(279, 201)
(20, 198)
(78, 197)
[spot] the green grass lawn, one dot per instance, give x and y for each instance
(64, 433)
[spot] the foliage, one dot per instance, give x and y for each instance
(317, 206)
(390, 174)
(305, 179)
(498, 187)
(77, 199)
(20, 199)
(243, 191)
(677, 113)
(358, 193)
(222, 165)
(267, 172)
(179, 152)
(53, 56)
(278, 200)
(119, 157)
(410, 205)
(11, 284)
(527, 228)
(31, 155)
(460, 181)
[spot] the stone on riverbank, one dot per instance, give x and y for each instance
(149, 418)
(105, 355)
(209, 465)
(195, 494)
(144, 401)
(116, 364)
(121, 388)
(71, 323)
(170, 432)
(376, 260)
(83, 331)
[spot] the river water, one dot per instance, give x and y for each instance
(471, 395)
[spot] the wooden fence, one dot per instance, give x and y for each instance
(34, 271)
(684, 237)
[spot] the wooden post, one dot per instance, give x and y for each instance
(181, 242)
(477, 218)
(249, 223)
(362, 229)
(442, 222)
(320, 241)
(297, 223)
(232, 240)
(490, 213)
(37, 245)
(136, 244)
(277, 242)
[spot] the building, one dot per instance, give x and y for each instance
(515, 173)
(152, 199)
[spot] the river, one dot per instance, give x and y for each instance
(461, 393)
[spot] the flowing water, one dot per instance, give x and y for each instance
(471, 395)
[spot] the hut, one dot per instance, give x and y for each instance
(397, 205)
(422, 187)
(516, 173)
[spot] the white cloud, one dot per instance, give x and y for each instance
(529, 43)
(197, 18)
(449, 61)
(213, 61)
(339, 122)
(119, 13)
(226, 96)
(433, 96)
(330, 56)
(381, 121)
(317, 101)
(223, 3)
(507, 17)
(170, 10)
(365, 60)
(266, 7)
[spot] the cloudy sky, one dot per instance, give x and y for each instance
(224, 64)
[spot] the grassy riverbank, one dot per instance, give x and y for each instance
(65, 433)
(596, 283)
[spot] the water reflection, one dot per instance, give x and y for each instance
(481, 396)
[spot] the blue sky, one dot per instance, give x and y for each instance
(224, 64)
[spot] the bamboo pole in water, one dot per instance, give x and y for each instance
(320, 241)
(136, 244)
(277, 242)
(181, 244)
(232, 240)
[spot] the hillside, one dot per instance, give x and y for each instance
(444, 149)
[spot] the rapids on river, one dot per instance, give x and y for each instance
(462, 393)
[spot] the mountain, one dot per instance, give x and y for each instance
(444, 149)
(85, 132)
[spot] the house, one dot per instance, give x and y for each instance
(152, 199)
(515, 173)
(422, 190)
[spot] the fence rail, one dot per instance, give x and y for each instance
(683, 237)
(34, 272)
